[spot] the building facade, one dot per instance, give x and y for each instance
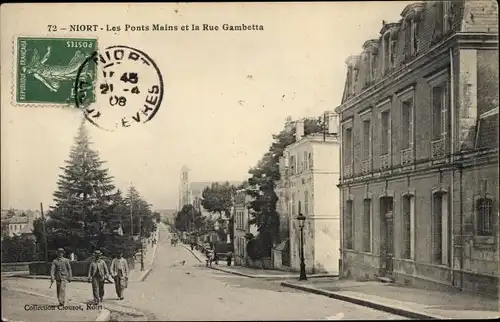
(242, 227)
(419, 118)
(309, 178)
(19, 222)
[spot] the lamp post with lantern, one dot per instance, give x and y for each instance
(302, 219)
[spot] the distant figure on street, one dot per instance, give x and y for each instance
(61, 272)
(210, 256)
(98, 272)
(119, 272)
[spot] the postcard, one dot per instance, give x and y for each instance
(249, 161)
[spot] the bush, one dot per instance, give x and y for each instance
(254, 249)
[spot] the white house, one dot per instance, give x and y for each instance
(310, 172)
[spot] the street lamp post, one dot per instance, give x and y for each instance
(142, 244)
(301, 218)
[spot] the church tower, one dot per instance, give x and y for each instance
(184, 191)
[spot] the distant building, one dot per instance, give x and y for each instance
(309, 175)
(419, 177)
(242, 227)
(19, 222)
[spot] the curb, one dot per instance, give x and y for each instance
(145, 274)
(192, 253)
(366, 303)
(103, 315)
(268, 277)
(45, 277)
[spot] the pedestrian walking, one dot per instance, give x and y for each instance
(61, 272)
(98, 273)
(210, 256)
(119, 272)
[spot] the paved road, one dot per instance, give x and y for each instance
(181, 288)
(189, 291)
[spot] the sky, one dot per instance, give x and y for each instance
(225, 92)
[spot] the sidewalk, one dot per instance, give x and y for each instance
(136, 275)
(402, 300)
(19, 306)
(251, 272)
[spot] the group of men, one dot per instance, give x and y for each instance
(97, 275)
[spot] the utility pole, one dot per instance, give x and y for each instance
(142, 244)
(46, 250)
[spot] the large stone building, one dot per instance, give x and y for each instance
(309, 175)
(419, 119)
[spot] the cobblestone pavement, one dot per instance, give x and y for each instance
(180, 288)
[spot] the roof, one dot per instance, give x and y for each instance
(487, 136)
(469, 16)
(17, 216)
(28, 229)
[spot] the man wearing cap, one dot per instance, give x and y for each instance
(61, 272)
(98, 272)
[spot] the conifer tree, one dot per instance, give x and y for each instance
(82, 216)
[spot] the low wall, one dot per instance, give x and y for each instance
(264, 263)
(15, 267)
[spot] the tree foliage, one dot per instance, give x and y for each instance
(88, 212)
(18, 249)
(262, 183)
(189, 218)
(218, 198)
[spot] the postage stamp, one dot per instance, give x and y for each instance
(46, 69)
(128, 87)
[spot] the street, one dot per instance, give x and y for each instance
(181, 288)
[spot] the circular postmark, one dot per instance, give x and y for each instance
(127, 89)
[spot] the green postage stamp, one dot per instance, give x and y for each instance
(46, 69)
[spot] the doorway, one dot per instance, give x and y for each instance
(387, 236)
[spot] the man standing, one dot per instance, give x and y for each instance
(61, 272)
(119, 272)
(98, 272)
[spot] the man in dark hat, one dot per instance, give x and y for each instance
(98, 273)
(61, 272)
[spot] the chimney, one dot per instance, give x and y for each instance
(333, 122)
(299, 129)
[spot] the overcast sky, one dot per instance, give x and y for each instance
(225, 92)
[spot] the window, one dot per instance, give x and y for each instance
(484, 208)
(414, 37)
(366, 139)
(292, 165)
(306, 162)
(439, 112)
(407, 124)
(408, 222)
(348, 150)
(437, 228)
(385, 142)
(440, 229)
(349, 225)
(388, 58)
(306, 203)
(310, 161)
(447, 15)
(367, 225)
(350, 81)
(294, 213)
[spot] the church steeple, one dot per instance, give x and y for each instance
(184, 191)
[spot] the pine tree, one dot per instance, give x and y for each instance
(82, 216)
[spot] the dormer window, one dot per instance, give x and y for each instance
(389, 39)
(370, 50)
(352, 74)
(447, 16)
(412, 16)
